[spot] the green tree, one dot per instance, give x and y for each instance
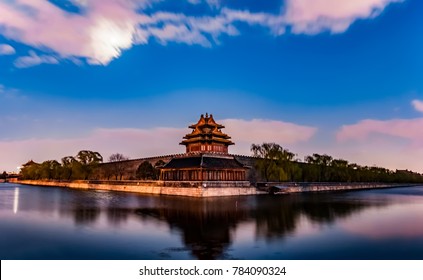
(146, 171)
(69, 166)
(274, 162)
(89, 160)
(31, 171)
(321, 163)
(340, 171)
(50, 169)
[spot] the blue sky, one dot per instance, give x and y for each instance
(327, 76)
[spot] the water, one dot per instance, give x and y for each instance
(58, 223)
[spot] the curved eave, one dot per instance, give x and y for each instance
(206, 135)
(194, 126)
(190, 141)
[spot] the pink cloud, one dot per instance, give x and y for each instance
(100, 35)
(257, 131)
(393, 144)
(418, 105)
(315, 16)
(6, 49)
(130, 142)
(409, 129)
(103, 30)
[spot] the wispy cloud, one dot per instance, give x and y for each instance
(6, 49)
(418, 105)
(105, 28)
(214, 3)
(33, 59)
(10, 93)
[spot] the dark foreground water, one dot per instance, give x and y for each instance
(57, 223)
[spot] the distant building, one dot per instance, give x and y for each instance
(206, 157)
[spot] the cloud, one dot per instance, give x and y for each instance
(409, 129)
(10, 94)
(214, 3)
(6, 49)
(275, 23)
(137, 143)
(315, 16)
(103, 29)
(33, 59)
(418, 105)
(393, 144)
(130, 142)
(257, 131)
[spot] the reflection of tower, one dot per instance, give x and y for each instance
(117, 215)
(85, 215)
(205, 224)
(81, 205)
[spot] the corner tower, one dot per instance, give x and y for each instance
(206, 137)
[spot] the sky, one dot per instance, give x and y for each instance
(342, 78)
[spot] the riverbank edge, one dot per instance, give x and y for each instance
(209, 188)
(191, 189)
(287, 188)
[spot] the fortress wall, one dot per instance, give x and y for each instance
(105, 171)
(130, 167)
(192, 189)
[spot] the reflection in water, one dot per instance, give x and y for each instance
(209, 228)
(83, 215)
(16, 201)
(205, 224)
(116, 216)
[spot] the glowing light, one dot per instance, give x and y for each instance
(108, 39)
(16, 201)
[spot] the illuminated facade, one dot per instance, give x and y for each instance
(206, 157)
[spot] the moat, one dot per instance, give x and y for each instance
(62, 223)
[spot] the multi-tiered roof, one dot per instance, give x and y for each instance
(207, 136)
(206, 157)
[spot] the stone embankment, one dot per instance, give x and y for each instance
(283, 188)
(193, 189)
(207, 189)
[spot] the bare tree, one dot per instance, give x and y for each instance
(118, 166)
